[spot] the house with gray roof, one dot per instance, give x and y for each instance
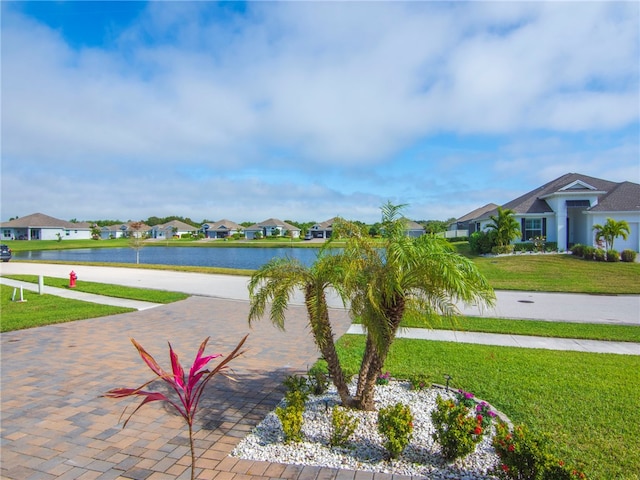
(170, 229)
(272, 227)
(465, 225)
(123, 230)
(39, 226)
(565, 210)
(221, 229)
(323, 229)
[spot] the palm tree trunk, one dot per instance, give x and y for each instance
(393, 313)
(324, 338)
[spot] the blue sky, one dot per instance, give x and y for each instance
(307, 110)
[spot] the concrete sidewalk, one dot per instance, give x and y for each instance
(520, 341)
(76, 295)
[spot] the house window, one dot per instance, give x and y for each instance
(7, 233)
(67, 233)
(532, 228)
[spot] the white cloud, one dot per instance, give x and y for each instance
(320, 101)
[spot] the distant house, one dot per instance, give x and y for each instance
(413, 229)
(465, 225)
(271, 227)
(221, 229)
(123, 230)
(171, 229)
(323, 229)
(39, 226)
(566, 209)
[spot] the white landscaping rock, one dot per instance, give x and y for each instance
(365, 450)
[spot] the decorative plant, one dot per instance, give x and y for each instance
(318, 380)
(291, 416)
(343, 426)
(457, 431)
(383, 379)
(485, 414)
(419, 382)
(465, 398)
(189, 388)
(396, 424)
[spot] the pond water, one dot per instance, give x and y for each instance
(225, 257)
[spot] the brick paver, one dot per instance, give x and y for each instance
(55, 424)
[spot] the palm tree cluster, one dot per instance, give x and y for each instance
(381, 283)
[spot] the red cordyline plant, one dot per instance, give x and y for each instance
(188, 388)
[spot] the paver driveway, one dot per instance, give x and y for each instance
(55, 424)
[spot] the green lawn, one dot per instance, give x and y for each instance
(559, 273)
(589, 403)
(109, 290)
(39, 310)
(585, 331)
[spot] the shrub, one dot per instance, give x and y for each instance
(525, 456)
(551, 247)
(383, 379)
(539, 243)
(589, 252)
(395, 423)
(613, 256)
(419, 382)
(599, 255)
(291, 420)
(578, 250)
(522, 455)
(465, 398)
(481, 242)
(296, 384)
(457, 431)
(343, 426)
(317, 380)
(628, 256)
(502, 249)
(523, 247)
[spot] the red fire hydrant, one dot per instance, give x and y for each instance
(72, 279)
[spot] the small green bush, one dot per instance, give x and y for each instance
(481, 242)
(457, 431)
(523, 247)
(522, 455)
(291, 420)
(395, 423)
(296, 384)
(419, 382)
(588, 252)
(343, 426)
(578, 250)
(613, 256)
(628, 256)
(525, 456)
(502, 249)
(317, 380)
(599, 255)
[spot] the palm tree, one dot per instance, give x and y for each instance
(278, 280)
(402, 278)
(382, 283)
(506, 227)
(610, 231)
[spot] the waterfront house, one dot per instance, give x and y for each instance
(565, 210)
